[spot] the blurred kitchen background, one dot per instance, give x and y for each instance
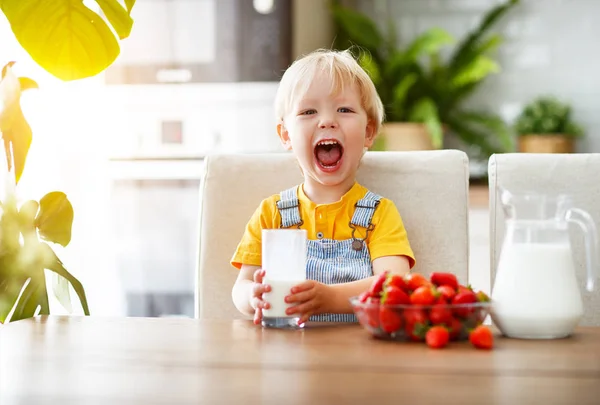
(199, 76)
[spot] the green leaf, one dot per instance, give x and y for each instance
(27, 214)
(54, 264)
(60, 286)
(475, 71)
(430, 42)
(490, 45)
(425, 111)
(34, 295)
(27, 83)
(481, 139)
(64, 37)
(55, 218)
(16, 132)
(547, 115)
(397, 64)
(468, 48)
(400, 92)
(493, 124)
(10, 293)
(370, 66)
(359, 29)
(28, 302)
(117, 16)
(129, 4)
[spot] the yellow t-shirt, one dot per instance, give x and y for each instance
(388, 238)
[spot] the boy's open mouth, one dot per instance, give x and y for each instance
(328, 153)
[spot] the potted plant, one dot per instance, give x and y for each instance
(85, 46)
(545, 126)
(423, 94)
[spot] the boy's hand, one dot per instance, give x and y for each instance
(256, 299)
(311, 297)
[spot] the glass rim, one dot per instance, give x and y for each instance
(531, 195)
(356, 302)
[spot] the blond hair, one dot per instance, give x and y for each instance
(342, 68)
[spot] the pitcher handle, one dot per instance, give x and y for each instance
(588, 226)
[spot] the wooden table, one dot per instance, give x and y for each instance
(94, 360)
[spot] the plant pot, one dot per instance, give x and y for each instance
(546, 143)
(405, 136)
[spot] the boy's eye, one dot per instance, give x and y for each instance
(344, 109)
(308, 112)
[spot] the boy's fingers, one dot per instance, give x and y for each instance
(257, 316)
(257, 303)
(307, 285)
(304, 318)
(300, 297)
(258, 275)
(304, 308)
(259, 289)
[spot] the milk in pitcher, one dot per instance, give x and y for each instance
(536, 293)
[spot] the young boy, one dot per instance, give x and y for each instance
(328, 115)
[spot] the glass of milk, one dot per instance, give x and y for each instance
(284, 263)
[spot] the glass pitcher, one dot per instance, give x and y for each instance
(536, 294)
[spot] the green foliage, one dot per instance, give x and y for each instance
(70, 41)
(416, 85)
(66, 37)
(24, 257)
(546, 115)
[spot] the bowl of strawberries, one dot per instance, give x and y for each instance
(416, 308)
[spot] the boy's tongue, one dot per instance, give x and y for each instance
(328, 155)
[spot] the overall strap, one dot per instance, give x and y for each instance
(289, 208)
(365, 208)
(363, 215)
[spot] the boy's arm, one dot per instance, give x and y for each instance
(341, 293)
(242, 289)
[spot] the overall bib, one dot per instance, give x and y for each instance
(331, 261)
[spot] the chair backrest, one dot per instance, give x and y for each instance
(573, 174)
(430, 189)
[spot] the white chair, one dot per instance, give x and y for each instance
(430, 189)
(574, 174)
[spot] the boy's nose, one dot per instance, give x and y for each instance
(328, 123)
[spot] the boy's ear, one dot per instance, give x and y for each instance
(284, 136)
(370, 134)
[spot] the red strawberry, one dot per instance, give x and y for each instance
(416, 323)
(390, 319)
(437, 337)
(464, 297)
(377, 285)
(455, 327)
(462, 288)
(372, 312)
(481, 337)
(364, 297)
(440, 315)
(393, 295)
(447, 292)
(396, 280)
(424, 295)
(415, 280)
(444, 279)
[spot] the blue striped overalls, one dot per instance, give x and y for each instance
(331, 261)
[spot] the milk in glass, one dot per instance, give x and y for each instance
(284, 263)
